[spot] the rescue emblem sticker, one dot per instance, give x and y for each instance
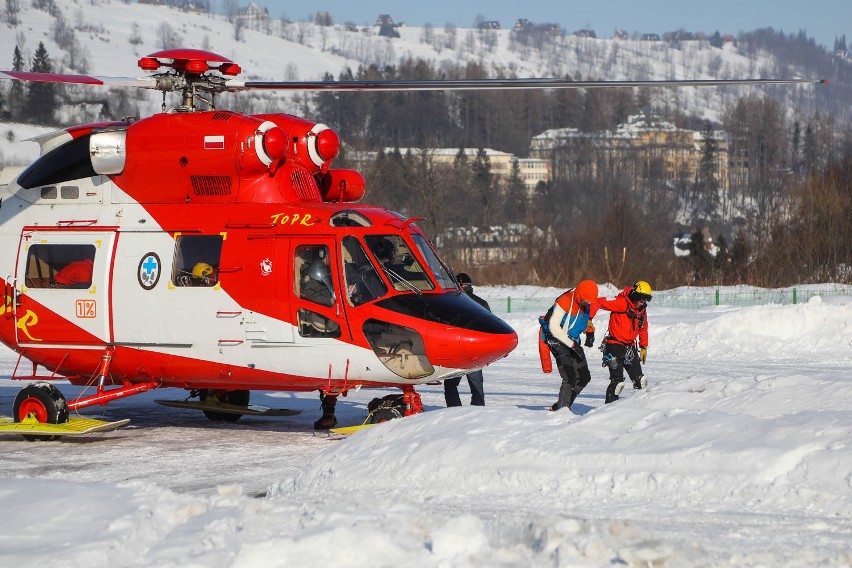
(148, 273)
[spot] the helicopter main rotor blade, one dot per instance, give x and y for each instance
(497, 84)
(144, 82)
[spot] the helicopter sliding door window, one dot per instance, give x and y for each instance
(315, 285)
(60, 266)
(363, 283)
(196, 261)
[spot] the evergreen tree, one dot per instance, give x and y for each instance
(16, 89)
(482, 185)
(723, 256)
(809, 151)
(740, 253)
(41, 97)
(515, 202)
(699, 257)
(796, 149)
(716, 39)
(708, 185)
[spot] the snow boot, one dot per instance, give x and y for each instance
(640, 383)
(613, 390)
(327, 420)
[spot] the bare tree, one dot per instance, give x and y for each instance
(13, 9)
(230, 9)
(135, 34)
(167, 37)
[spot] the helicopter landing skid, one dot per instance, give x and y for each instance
(216, 406)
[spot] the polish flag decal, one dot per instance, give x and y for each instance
(214, 142)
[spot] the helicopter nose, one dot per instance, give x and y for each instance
(483, 348)
(456, 331)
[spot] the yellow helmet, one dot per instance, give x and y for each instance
(641, 291)
(202, 270)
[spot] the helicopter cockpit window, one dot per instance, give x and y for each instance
(439, 269)
(313, 275)
(60, 266)
(350, 219)
(196, 262)
(363, 282)
(398, 263)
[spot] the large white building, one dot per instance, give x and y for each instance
(531, 170)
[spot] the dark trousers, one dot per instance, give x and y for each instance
(574, 370)
(477, 391)
(618, 358)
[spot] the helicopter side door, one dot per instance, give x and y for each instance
(317, 305)
(64, 275)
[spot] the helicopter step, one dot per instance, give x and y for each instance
(212, 405)
(75, 426)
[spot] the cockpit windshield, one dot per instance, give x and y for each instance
(398, 263)
(445, 279)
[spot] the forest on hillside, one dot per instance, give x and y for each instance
(608, 224)
(786, 222)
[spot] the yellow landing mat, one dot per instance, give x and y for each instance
(75, 426)
(346, 430)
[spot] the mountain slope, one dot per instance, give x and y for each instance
(107, 38)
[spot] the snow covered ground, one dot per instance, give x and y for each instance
(738, 454)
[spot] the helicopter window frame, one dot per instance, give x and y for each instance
(307, 288)
(362, 280)
(194, 250)
(349, 218)
(399, 263)
(71, 262)
(315, 324)
(439, 269)
(69, 192)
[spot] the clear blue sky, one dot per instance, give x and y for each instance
(821, 19)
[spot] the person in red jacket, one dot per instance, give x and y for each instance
(628, 321)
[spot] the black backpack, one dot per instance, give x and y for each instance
(386, 408)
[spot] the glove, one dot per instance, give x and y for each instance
(590, 339)
(643, 354)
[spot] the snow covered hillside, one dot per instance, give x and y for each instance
(737, 454)
(106, 38)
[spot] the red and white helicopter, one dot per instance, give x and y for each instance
(221, 253)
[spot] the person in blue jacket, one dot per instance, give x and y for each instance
(571, 315)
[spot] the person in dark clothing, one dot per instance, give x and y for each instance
(327, 402)
(475, 378)
(571, 315)
(316, 285)
(628, 321)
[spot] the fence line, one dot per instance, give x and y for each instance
(693, 298)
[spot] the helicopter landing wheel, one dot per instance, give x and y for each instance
(235, 397)
(45, 403)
